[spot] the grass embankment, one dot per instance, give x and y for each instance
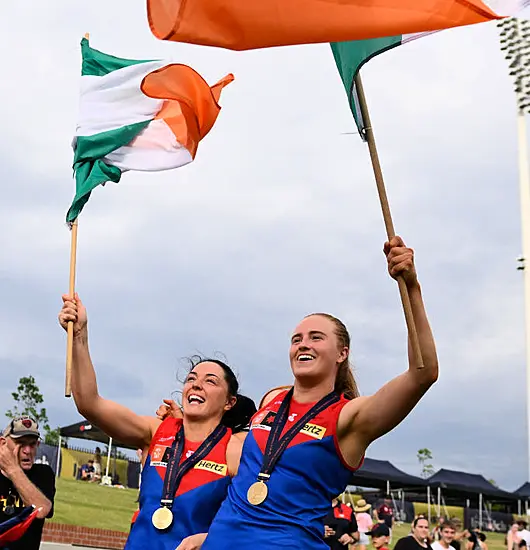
(91, 505)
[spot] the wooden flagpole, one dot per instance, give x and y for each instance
(71, 293)
(387, 216)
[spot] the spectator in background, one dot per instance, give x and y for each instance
(340, 526)
(459, 533)
(364, 522)
(380, 534)
(384, 514)
(523, 531)
(436, 532)
(22, 482)
(86, 472)
(512, 538)
(447, 534)
(418, 539)
(476, 541)
(482, 538)
(97, 465)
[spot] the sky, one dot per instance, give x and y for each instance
(277, 217)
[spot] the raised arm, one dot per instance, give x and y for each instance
(115, 420)
(367, 418)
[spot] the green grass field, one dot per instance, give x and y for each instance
(79, 503)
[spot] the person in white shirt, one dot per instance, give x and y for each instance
(524, 533)
(447, 535)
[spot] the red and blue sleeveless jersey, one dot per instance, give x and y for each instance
(308, 475)
(198, 498)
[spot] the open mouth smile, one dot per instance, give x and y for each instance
(304, 357)
(194, 399)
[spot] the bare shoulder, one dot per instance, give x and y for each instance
(241, 436)
(233, 454)
(235, 443)
(272, 394)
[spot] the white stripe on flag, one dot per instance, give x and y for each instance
(115, 100)
(154, 149)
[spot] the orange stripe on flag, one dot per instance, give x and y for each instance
(250, 24)
(191, 107)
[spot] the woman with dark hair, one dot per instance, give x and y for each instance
(418, 538)
(304, 443)
(189, 460)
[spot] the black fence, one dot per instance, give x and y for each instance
(497, 522)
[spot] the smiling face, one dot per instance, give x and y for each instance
(27, 449)
(205, 393)
(448, 534)
(315, 350)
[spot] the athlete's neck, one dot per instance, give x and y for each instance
(199, 430)
(444, 544)
(311, 393)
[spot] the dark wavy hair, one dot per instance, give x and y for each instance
(421, 516)
(238, 417)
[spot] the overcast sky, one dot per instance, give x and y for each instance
(277, 217)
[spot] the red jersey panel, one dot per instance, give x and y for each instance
(211, 468)
(322, 425)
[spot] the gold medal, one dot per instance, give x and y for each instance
(257, 493)
(162, 518)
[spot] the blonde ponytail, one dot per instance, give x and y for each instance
(345, 382)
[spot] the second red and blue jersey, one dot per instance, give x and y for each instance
(198, 498)
(309, 474)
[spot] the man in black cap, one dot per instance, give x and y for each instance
(22, 482)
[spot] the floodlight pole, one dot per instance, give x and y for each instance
(515, 42)
(524, 181)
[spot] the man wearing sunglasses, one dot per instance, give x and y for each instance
(22, 482)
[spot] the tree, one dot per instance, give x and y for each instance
(493, 482)
(424, 456)
(27, 397)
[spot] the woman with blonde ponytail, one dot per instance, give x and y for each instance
(306, 440)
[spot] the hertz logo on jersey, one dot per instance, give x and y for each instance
(209, 466)
(265, 422)
(312, 430)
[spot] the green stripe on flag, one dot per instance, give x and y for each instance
(96, 63)
(90, 168)
(350, 57)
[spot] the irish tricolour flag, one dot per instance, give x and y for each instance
(351, 56)
(137, 115)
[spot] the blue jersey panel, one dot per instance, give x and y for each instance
(193, 512)
(305, 480)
